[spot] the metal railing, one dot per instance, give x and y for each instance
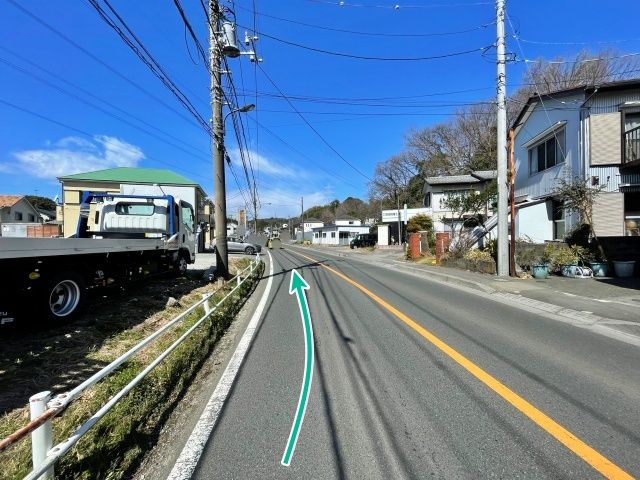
(632, 145)
(43, 409)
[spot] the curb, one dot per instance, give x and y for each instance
(576, 318)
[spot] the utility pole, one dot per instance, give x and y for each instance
(399, 219)
(512, 202)
(302, 216)
(215, 58)
(255, 210)
(503, 242)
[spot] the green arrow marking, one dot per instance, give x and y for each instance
(298, 286)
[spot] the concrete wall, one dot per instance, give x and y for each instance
(535, 222)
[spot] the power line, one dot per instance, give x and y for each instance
(293, 149)
(147, 58)
(96, 107)
(191, 32)
(575, 62)
(595, 42)
(373, 34)
(87, 134)
(397, 6)
(89, 94)
(313, 128)
(98, 60)
(364, 57)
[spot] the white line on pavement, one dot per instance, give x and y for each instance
(190, 456)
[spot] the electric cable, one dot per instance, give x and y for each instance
(100, 61)
(353, 167)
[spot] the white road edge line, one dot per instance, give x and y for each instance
(190, 456)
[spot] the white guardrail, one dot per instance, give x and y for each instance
(43, 409)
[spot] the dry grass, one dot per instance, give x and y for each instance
(113, 448)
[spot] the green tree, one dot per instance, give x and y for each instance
(42, 203)
(419, 223)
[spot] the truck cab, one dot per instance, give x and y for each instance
(131, 216)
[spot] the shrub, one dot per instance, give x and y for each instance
(419, 223)
(478, 255)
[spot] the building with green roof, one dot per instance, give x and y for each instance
(133, 181)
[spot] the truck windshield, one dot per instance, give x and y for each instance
(135, 209)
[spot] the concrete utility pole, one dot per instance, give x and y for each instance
(512, 203)
(399, 219)
(503, 192)
(215, 58)
(255, 209)
(302, 216)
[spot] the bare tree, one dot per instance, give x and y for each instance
(392, 179)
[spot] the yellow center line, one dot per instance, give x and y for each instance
(591, 456)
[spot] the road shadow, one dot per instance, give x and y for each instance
(60, 357)
(632, 283)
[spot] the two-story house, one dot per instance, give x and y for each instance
(590, 133)
(15, 213)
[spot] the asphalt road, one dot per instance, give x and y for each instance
(386, 402)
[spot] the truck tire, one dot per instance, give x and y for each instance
(62, 297)
(181, 264)
(249, 250)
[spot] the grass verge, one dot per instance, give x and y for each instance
(114, 447)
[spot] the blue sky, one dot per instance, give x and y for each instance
(34, 150)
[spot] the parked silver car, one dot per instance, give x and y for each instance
(235, 245)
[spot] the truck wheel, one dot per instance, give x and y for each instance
(249, 250)
(63, 297)
(181, 265)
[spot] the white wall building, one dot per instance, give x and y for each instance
(338, 234)
(586, 133)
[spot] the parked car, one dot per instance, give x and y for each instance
(236, 245)
(363, 240)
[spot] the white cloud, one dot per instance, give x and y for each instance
(71, 155)
(268, 167)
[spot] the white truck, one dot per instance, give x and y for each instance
(119, 238)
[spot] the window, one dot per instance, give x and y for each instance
(187, 217)
(31, 217)
(558, 220)
(316, 235)
(427, 200)
(324, 234)
(333, 234)
(548, 153)
(135, 209)
(447, 195)
(17, 216)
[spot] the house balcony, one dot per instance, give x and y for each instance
(631, 148)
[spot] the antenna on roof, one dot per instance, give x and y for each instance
(156, 185)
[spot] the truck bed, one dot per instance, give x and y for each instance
(49, 247)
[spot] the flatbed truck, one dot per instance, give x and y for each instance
(119, 238)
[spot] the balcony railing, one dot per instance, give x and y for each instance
(632, 145)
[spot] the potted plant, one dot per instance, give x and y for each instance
(624, 268)
(566, 261)
(599, 265)
(540, 269)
